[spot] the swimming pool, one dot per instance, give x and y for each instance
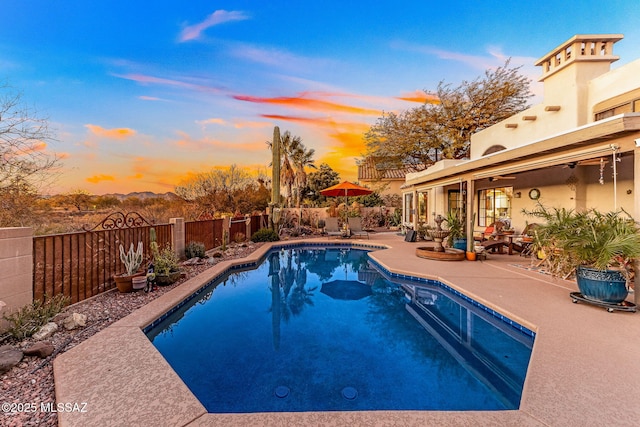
(322, 329)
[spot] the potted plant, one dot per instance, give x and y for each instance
(457, 237)
(166, 267)
(132, 261)
(598, 246)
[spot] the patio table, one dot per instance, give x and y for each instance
(511, 245)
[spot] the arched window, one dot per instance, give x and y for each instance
(494, 149)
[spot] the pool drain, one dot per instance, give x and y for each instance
(282, 391)
(349, 393)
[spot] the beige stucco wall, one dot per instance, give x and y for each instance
(615, 82)
(575, 89)
(16, 265)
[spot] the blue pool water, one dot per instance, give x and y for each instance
(324, 329)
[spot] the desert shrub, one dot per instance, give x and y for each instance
(195, 249)
(239, 237)
(265, 235)
(373, 219)
(166, 261)
(27, 320)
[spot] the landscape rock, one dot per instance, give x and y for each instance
(41, 349)
(9, 357)
(74, 321)
(46, 331)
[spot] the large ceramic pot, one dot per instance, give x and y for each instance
(460, 244)
(601, 285)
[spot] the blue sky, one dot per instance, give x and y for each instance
(144, 94)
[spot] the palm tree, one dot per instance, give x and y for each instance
(302, 158)
(294, 158)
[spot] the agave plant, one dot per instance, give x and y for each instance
(589, 238)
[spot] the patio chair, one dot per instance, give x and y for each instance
(490, 231)
(355, 227)
(491, 240)
(523, 243)
(332, 228)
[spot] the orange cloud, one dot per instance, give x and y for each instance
(252, 125)
(308, 104)
(419, 96)
(213, 121)
(186, 141)
(99, 178)
(116, 133)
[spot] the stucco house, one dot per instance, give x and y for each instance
(579, 148)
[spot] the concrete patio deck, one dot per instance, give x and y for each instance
(584, 369)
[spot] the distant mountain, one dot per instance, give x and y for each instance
(144, 195)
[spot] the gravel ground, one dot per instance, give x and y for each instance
(31, 382)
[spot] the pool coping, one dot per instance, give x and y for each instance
(123, 379)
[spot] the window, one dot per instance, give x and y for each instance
(629, 107)
(408, 208)
(456, 203)
(494, 204)
(423, 205)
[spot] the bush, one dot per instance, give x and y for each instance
(239, 237)
(26, 321)
(195, 249)
(265, 235)
(165, 262)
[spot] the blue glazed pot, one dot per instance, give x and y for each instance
(460, 244)
(601, 285)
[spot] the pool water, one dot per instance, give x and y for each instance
(323, 329)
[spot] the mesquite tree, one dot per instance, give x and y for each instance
(442, 128)
(26, 164)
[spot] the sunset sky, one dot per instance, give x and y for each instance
(141, 95)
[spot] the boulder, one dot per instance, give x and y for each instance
(46, 331)
(9, 357)
(41, 349)
(74, 321)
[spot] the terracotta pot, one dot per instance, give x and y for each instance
(471, 256)
(124, 283)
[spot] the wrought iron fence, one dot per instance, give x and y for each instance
(83, 264)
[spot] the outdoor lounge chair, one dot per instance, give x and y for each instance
(355, 227)
(490, 239)
(489, 232)
(494, 245)
(523, 243)
(332, 228)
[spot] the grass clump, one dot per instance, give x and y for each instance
(265, 235)
(30, 318)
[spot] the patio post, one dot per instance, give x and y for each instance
(636, 213)
(470, 220)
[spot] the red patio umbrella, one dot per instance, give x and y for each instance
(345, 189)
